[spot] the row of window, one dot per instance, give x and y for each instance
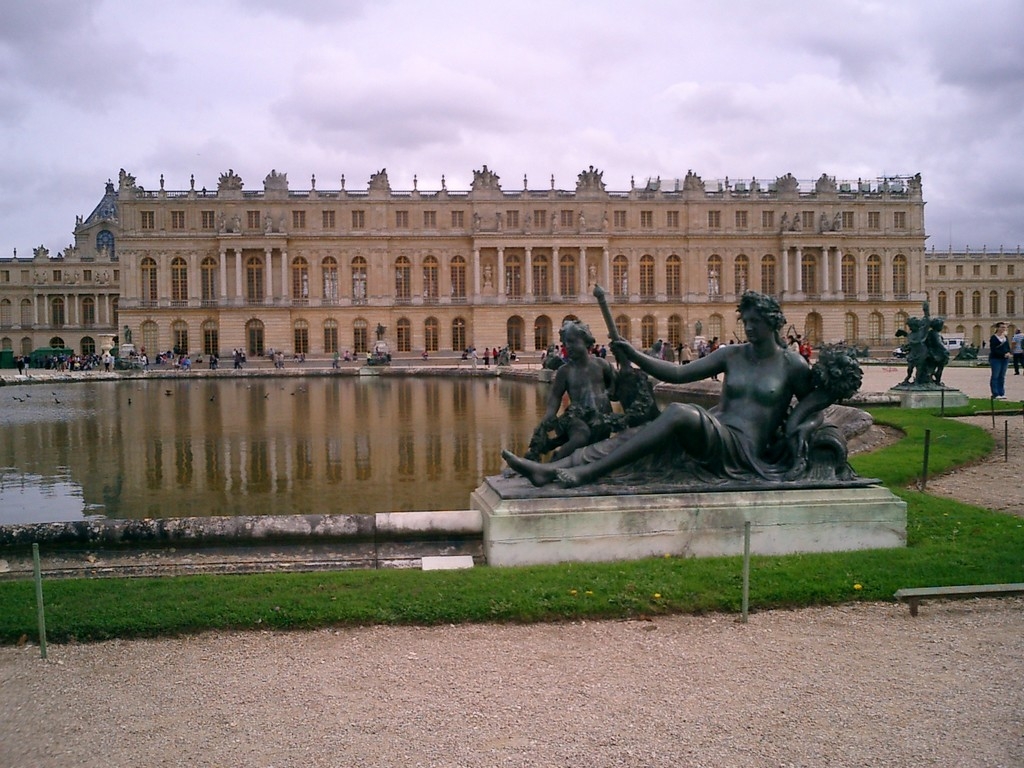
(1009, 304)
(57, 312)
(513, 278)
(538, 218)
(993, 270)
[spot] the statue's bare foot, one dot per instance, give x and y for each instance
(537, 473)
(568, 478)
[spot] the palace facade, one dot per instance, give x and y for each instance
(319, 271)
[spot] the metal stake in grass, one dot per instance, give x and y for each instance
(746, 570)
(1006, 440)
(924, 469)
(39, 599)
(992, 408)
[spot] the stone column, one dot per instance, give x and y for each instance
(606, 267)
(501, 273)
(239, 296)
(798, 267)
(222, 289)
(582, 277)
(556, 278)
(826, 288)
(476, 274)
(194, 294)
(285, 288)
(785, 272)
(268, 297)
(529, 271)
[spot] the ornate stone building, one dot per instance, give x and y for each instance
(974, 290)
(317, 271)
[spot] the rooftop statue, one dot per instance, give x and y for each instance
(756, 435)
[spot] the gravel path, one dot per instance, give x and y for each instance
(855, 685)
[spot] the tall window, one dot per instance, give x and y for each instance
(646, 219)
(179, 337)
(512, 219)
(88, 345)
(567, 275)
(298, 219)
(208, 280)
(619, 219)
(300, 280)
(252, 220)
(149, 335)
(254, 333)
(874, 220)
(459, 333)
(147, 290)
(993, 303)
(768, 275)
(403, 278)
(741, 219)
(874, 275)
(647, 331)
(431, 287)
(540, 218)
(430, 219)
(622, 326)
(26, 312)
(402, 219)
(848, 276)
(620, 277)
(513, 276)
(674, 277)
(211, 338)
(767, 219)
(958, 303)
(714, 219)
(672, 219)
(105, 244)
(899, 276)
(647, 276)
(1011, 303)
(850, 328)
(741, 274)
(976, 304)
(566, 219)
(330, 336)
(714, 276)
(254, 280)
(358, 219)
(899, 220)
(675, 330)
(88, 311)
(6, 313)
(541, 276)
(148, 220)
(809, 272)
(514, 332)
(430, 334)
(57, 316)
(360, 336)
(179, 282)
(329, 272)
(458, 219)
(542, 333)
(457, 274)
(942, 305)
(329, 220)
(359, 280)
(403, 332)
(874, 327)
(300, 337)
(177, 219)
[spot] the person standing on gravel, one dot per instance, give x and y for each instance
(999, 361)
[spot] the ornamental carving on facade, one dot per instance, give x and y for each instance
(590, 181)
(693, 182)
(229, 181)
(825, 185)
(485, 180)
(787, 184)
(275, 182)
(379, 181)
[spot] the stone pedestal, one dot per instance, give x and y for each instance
(525, 525)
(930, 398)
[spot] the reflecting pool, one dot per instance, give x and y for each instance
(243, 446)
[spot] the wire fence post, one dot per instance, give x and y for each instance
(924, 469)
(746, 570)
(1006, 440)
(39, 599)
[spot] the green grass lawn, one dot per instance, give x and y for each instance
(947, 543)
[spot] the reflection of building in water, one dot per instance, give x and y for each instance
(317, 270)
(262, 447)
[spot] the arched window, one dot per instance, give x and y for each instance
(403, 331)
(514, 333)
(942, 304)
(254, 332)
(958, 303)
(150, 339)
(542, 333)
(57, 316)
(300, 337)
(812, 328)
(1011, 303)
(620, 277)
(768, 286)
(541, 276)
(993, 303)
(809, 273)
(899, 276)
(875, 276)
(179, 337)
(622, 326)
(459, 334)
(26, 312)
(330, 336)
(115, 308)
(360, 336)
(6, 313)
(647, 276)
(88, 345)
(513, 276)
(105, 244)
(254, 281)
(648, 329)
(850, 328)
(675, 330)
(715, 327)
(567, 285)
(329, 272)
(26, 346)
(359, 281)
(875, 329)
(848, 276)
(179, 282)
(674, 277)
(211, 338)
(457, 273)
(430, 335)
(403, 279)
(208, 280)
(900, 320)
(57, 342)
(7, 343)
(741, 274)
(300, 284)
(147, 286)
(431, 287)
(715, 276)
(976, 304)
(88, 311)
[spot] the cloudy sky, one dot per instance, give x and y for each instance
(851, 88)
